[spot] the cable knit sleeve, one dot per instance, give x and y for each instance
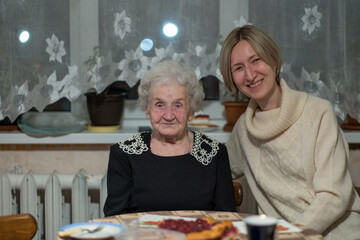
(325, 167)
(234, 151)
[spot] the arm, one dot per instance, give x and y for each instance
(331, 181)
(119, 182)
(224, 195)
(234, 151)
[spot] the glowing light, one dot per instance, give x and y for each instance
(170, 30)
(24, 36)
(146, 44)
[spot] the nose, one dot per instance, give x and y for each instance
(250, 74)
(168, 113)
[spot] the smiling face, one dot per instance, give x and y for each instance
(253, 77)
(169, 109)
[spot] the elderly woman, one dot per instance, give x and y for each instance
(288, 144)
(170, 168)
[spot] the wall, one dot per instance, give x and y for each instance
(44, 159)
(93, 158)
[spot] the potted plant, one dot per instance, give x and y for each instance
(106, 108)
(234, 109)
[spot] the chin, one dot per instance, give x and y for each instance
(172, 132)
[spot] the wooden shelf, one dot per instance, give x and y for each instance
(87, 137)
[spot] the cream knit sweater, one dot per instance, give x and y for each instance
(295, 161)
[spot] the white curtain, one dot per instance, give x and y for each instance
(320, 42)
(319, 39)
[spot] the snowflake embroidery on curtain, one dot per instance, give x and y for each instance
(18, 99)
(197, 58)
(214, 63)
(55, 49)
(163, 54)
(338, 98)
(52, 88)
(287, 74)
(311, 19)
(70, 90)
(47, 91)
(134, 66)
(121, 24)
(312, 83)
(241, 22)
(94, 72)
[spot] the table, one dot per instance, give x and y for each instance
(306, 233)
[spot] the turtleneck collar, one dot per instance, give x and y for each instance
(267, 124)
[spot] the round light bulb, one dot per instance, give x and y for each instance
(146, 44)
(24, 36)
(170, 30)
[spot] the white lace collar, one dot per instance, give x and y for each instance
(203, 150)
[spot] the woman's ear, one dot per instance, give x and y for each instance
(191, 116)
(147, 113)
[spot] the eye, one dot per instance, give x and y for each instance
(256, 60)
(159, 105)
(237, 68)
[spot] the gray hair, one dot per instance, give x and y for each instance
(169, 72)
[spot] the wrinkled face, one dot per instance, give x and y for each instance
(252, 75)
(169, 109)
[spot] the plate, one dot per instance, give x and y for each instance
(49, 123)
(156, 218)
(209, 128)
(109, 230)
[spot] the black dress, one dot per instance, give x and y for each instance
(138, 180)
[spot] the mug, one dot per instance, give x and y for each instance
(260, 227)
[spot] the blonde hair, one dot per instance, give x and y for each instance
(262, 44)
(169, 72)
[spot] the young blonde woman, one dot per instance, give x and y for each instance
(288, 144)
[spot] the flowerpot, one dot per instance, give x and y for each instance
(105, 109)
(352, 121)
(233, 111)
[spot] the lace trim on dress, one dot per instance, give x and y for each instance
(204, 149)
(134, 145)
(202, 153)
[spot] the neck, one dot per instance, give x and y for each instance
(274, 101)
(165, 146)
(169, 139)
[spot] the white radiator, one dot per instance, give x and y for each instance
(47, 198)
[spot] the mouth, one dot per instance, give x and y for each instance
(255, 84)
(168, 123)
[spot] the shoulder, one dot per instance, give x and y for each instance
(206, 148)
(319, 101)
(136, 144)
(319, 114)
(201, 137)
(318, 106)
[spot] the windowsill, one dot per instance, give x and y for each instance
(135, 118)
(87, 137)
